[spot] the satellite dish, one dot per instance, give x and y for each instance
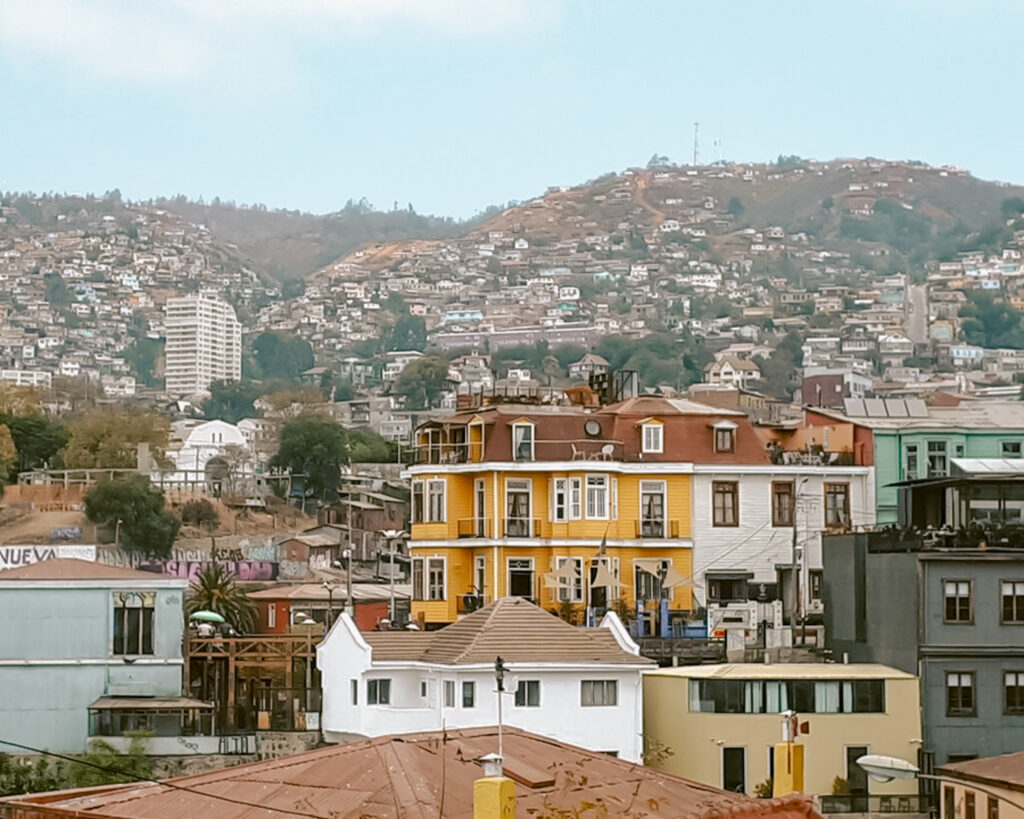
(887, 768)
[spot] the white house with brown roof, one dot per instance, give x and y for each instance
(577, 685)
(731, 370)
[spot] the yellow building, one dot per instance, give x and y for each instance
(579, 506)
(718, 724)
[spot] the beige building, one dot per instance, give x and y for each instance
(989, 787)
(204, 343)
(718, 723)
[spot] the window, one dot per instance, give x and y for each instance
(272, 615)
(937, 459)
(726, 589)
(1013, 692)
(648, 575)
(597, 497)
(378, 692)
(1011, 449)
(133, 622)
(837, 505)
(355, 692)
(480, 574)
(522, 442)
(725, 437)
(653, 438)
(469, 695)
(449, 693)
(423, 689)
(480, 507)
(1013, 601)
(428, 578)
(783, 503)
(560, 500)
(911, 461)
(599, 693)
(652, 509)
(520, 577)
(969, 805)
(948, 802)
(570, 591)
(960, 694)
(528, 694)
(776, 696)
(957, 594)
(428, 501)
(517, 505)
(725, 503)
(575, 498)
(992, 804)
(815, 576)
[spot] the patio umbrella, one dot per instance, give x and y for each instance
(207, 617)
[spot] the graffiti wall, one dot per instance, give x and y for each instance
(189, 569)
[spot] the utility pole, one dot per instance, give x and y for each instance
(696, 144)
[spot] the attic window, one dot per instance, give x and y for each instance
(653, 439)
(724, 433)
(522, 441)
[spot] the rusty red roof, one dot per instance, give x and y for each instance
(423, 776)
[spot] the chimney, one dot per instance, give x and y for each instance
(494, 794)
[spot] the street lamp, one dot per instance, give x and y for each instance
(390, 536)
(797, 565)
(887, 768)
(329, 588)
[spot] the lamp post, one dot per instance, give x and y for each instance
(349, 603)
(329, 588)
(796, 563)
(391, 535)
(887, 768)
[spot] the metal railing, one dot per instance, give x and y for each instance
(562, 449)
(863, 803)
(521, 527)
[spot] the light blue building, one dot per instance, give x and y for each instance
(81, 637)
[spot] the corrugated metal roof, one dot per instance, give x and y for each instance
(411, 776)
(786, 671)
(146, 703)
(511, 628)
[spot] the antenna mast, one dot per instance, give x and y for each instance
(696, 143)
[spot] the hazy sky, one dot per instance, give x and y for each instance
(453, 105)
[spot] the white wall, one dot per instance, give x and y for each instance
(345, 656)
(755, 545)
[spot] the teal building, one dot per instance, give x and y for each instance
(88, 649)
(905, 439)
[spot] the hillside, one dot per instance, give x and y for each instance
(289, 244)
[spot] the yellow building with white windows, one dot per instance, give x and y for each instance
(568, 506)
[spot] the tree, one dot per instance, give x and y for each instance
(109, 439)
(36, 438)
(130, 767)
(8, 454)
(19, 776)
(142, 355)
(423, 382)
(145, 527)
(316, 447)
(281, 355)
(199, 512)
(57, 292)
(230, 401)
(409, 333)
(735, 207)
(367, 447)
(1011, 207)
(215, 589)
(827, 203)
(989, 323)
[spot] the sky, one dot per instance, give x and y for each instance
(454, 105)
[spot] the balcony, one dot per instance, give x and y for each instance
(657, 528)
(862, 803)
(474, 527)
(468, 603)
(581, 449)
(521, 527)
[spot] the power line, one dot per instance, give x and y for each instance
(150, 780)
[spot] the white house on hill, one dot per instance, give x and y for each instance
(577, 685)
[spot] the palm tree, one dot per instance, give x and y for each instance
(215, 590)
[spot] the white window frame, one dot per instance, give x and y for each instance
(571, 591)
(652, 438)
(480, 573)
(508, 573)
(560, 500)
(426, 488)
(424, 590)
(654, 487)
(612, 565)
(589, 687)
(533, 440)
(469, 685)
(519, 485)
(272, 615)
(598, 511)
(449, 693)
(575, 498)
(375, 698)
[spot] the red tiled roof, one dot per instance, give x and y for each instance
(71, 568)
(413, 776)
(511, 628)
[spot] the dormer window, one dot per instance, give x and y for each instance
(522, 441)
(652, 436)
(724, 433)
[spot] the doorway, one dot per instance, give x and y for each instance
(734, 770)
(857, 778)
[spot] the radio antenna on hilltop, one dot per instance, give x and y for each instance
(696, 143)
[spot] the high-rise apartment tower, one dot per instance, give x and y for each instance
(204, 343)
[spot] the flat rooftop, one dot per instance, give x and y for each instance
(785, 671)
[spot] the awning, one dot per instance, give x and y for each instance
(147, 703)
(603, 578)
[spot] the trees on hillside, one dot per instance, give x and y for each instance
(109, 439)
(423, 382)
(280, 355)
(316, 447)
(137, 511)
(142, 355)
(230, 401)
(989, 323)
